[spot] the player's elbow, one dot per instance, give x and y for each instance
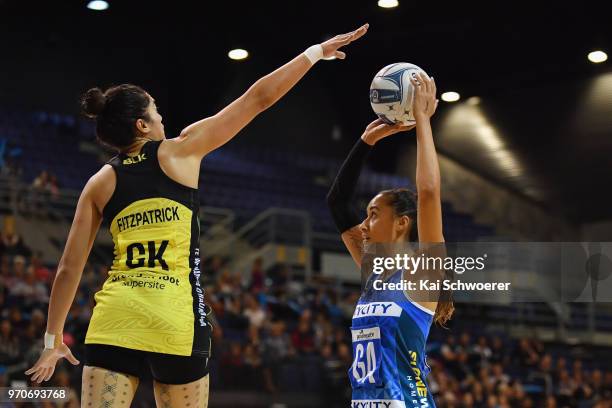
(66, 271)
(430, 189)
(262, 101)
(260, 96)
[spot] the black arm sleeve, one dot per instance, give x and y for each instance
(340, 195)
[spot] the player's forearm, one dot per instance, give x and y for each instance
(428, 170)
(63, 291)
(269, 89)
(340, 195)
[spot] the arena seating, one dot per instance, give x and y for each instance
(270, 178)
(474, 359)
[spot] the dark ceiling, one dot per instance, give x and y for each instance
(543, 127)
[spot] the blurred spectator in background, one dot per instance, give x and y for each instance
(28, 291)
(11, 166)
(257, 276)
(212, 269)
(11, 243)
(565, 388)
(9, 343)
(498, 352)
(225, 284)
(276, 348)
(6, 275)
(40, 271)
(280, 278)
(526, 354)
(303, 336)
(39, 193)
(542, 376)
(231, 365)
(481, 351)
(335, 381)
(253, 311)
(323, 330)
(53, 187)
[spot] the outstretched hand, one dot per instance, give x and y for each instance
(331, 46)
(45, 366)
(378, 130)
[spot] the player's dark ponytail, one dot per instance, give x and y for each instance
(93, 102)
(116, 111)
(404, 202)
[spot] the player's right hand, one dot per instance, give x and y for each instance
(331, 46)
(378, 130)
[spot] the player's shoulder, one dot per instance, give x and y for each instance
(102, 176)
(175, 146)
(101, 185)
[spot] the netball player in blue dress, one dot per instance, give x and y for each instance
(389, 328)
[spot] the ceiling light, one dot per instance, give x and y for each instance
(238, 54)
(450, 96)
(597, 56)
(388, 3)
(97, 5)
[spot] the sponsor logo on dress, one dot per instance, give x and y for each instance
(377, 404)
(377, 309)
(370, 333)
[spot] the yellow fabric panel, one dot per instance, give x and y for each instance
(146, 302)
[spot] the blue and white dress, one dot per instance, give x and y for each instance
(389, 332)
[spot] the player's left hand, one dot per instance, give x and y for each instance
(425, 102)
(45, 366)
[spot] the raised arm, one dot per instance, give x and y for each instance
(204, 136)
(429, 211)
(341, 194)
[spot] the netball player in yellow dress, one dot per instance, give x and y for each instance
(150, 313)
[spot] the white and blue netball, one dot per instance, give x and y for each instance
(392, 93)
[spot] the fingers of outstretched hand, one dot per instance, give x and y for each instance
(46, 373)
(358, 33)
(393, 129)
(424, 81)
(344, 39)
(416, 83)
(381, 128)
(35, 372)
(70, 357)
(31, 369)
(49, 374)
(405, 127)
(73, 360)
(374, 123)
(40, 374)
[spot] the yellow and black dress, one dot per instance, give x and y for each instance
(152, 301)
